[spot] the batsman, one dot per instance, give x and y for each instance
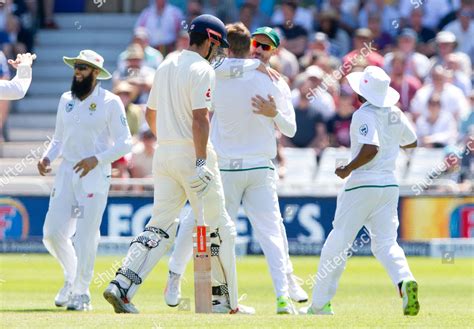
(184, 167)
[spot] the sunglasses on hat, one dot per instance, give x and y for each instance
(264, 46)
(81, 66)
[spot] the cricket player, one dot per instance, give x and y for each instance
(91, 132)
(370, 195)
(16, 88)
(184, 168)
(243, 134)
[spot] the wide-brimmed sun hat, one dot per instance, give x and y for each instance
(374, 85)
(91, 58)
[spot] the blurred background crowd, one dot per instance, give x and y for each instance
(427, 47)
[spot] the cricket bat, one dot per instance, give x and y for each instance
(202, 264)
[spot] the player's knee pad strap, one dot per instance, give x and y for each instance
(151, 237)
(221, 290)
(129, 274)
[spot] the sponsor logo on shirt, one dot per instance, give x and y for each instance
(208, 94)
(364, 129)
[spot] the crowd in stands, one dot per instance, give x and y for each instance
(427, 49)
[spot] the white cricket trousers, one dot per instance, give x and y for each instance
(256, 189)
(376, 208)
(71, 229)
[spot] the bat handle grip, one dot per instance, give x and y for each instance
(200, 217)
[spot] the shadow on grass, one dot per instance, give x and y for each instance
(30, 310)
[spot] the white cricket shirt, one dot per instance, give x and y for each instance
(388, 128)
(243, 139)
(182, 83)
(96, 126)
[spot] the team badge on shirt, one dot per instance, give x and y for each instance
(69, 106)
(364, 129)
(208, 94)
(123, 119)
(92, 107)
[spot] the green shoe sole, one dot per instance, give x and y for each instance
(413, 306)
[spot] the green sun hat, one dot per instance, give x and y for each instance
(269, 32)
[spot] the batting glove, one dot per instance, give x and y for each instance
(201, 182)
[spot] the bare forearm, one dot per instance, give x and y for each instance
(366, 154)
(200, 137)
(150, 117)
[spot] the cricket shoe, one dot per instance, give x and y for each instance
(285, 306)
(79, 303)
(296, 292)
(63, 296)
(223, 307)
(117, 297)
(409, 293)
(325, 310)
(173, 289)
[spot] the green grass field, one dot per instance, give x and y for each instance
(366, 298)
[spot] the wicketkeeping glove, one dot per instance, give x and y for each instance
(201, 182)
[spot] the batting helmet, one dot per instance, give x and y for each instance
(212, 26)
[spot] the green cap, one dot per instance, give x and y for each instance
(269, 32)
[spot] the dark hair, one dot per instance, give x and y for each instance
(196, 38)
(361, 99)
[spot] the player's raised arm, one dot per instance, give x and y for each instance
(18, 86)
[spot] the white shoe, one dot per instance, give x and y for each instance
(224, 308)
(116, 296)
(63, 296)
(173, 289)
(296, 292)
(79, 303)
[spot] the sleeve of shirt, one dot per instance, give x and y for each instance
(55, 146)
(153, 96)
(17, 87)
(285, 119)
(365, 129)
(408, 133)
(118, 131)
(236, 67)
(202, 87)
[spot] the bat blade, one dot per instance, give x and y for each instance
(202, 269)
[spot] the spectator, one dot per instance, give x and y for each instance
(459, 79)
(302, 16)
(247, 15)
(433, 13)
(4, 104)
(47, 12)
(320, 100)
(296, 35)
(9, 29)
(287, 60)
(152, 57)
(417, 65)
(133, 112)
(446, 44)
(387, 14)
(226, 10)
(363, 53)
(436, 128)
(163, 23)
(193, 10)
(383, 40)
(406, 85)
(141, 160)
(463, 27)
(466, 129)
(338, 38)
(338, 127)
(319, 48)
(452, 98)
(120, 170)
(424, 35)
(136, 72)
(311, 130)
(346, 10)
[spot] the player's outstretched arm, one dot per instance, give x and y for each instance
(18, 86)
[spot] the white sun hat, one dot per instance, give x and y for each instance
(374, 85)
(93, 59)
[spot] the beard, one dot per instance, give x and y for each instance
(79, 89)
